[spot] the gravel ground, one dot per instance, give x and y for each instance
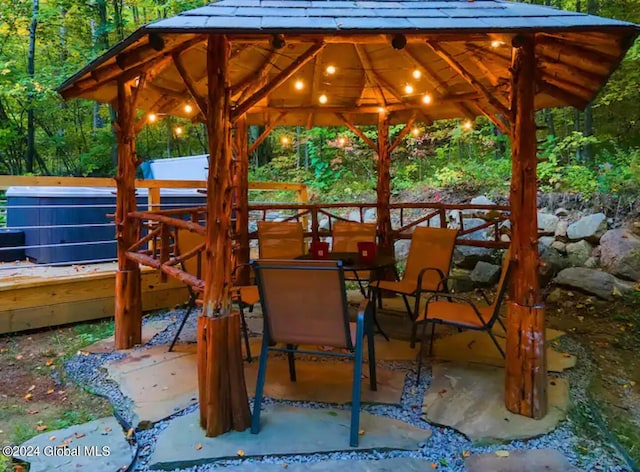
(446, 448)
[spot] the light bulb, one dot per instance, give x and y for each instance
(323, 98)
(382, 110)
(299, 85)
(188, 108)
(284, 140)
(426, 99)
(496, 43)
(178, 131)
(415, 131)
(408, 89)
(342, 141)
(152, 117)
(417, 74)
(467, 124)
(331, 70)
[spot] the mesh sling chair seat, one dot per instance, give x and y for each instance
(305, 303)
(186, 241)
(280, 239)
(463, 313)
(345, 236)
(428, 264)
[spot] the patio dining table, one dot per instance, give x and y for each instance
(352, 262)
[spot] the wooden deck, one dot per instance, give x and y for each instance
(35, 297)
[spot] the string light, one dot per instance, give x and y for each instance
(342, 141)
(284, 140)
(496, 43)
(408, 89)
(323, 99)
(178, 131)
(331, 70)
(188, 108)
(299, 85)
(152, 117)
(417, 74)
(415, 131)
(467, 124)
(382, 110)
(426, 99)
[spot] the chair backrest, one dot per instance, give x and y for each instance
(186, 241)
(430, 247)
(503, 283)
(304, 302)
(347, 234)
(280, 240)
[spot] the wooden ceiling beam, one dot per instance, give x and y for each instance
(575, 89)
(255, 77)
(366, 38)
(471, 80)
(563, 95)
(278, 80)
(198, 99)
(592, 55)
(492, 53)
(551, 66)
(265, 134)
(403, 132)
(496, 120)
(160, 105)
(369, 73)
(315, 86)
(358, 132)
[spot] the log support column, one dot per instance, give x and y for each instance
(241, 186)
(383, 187)
(526, 371)
(128, 303)
(221, 386)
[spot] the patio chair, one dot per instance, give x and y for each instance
(305, 303)
(428, 264)
(463, 313)
(345, 237)
(244, 296)
(280, 239)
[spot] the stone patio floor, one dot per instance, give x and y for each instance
(305, 424)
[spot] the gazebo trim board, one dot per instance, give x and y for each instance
(239, 62)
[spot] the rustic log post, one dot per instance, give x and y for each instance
(222, 391)
(128, 303)
(241, 186)
(383, 187)
(526, 370)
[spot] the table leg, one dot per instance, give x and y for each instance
(372, 299)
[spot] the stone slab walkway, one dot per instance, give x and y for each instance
(327, 382)
(470, 399)
(149, 330)
(285, 430)
(401, 464)
(97, 446)
(537, 460)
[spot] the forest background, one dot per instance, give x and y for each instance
(42, 42)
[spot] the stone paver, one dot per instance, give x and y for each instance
(400, 464)
(149, 330)
(470, 399)
(97, 446)
(285, 430)
(476, 346)
(328, 382)
(160, 383)
(537, 460)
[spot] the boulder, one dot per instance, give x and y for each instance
(561, 212)
(590, 227)
(547, 223)
(401, 248)
(459, 281)
(552, 260)
(354, 215)
(433, 222)
(466, 257)
(481, 200)
(561, 230)
(559, 246)
(485, 273)
(323, 224)
(545, 243)
(592, 263)
(620, 254)
(578, 253)
(593, 281)
(483, 234)
(370, 215)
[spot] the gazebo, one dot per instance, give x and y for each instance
(236, 63)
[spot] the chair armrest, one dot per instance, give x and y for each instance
(452, 296)
(363, 308)
(424, 271)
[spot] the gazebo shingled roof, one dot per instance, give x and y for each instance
(576, 54)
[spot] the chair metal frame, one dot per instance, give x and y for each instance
(364, 326)
(346, 246)
(486, 326)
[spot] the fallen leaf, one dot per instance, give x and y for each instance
(41, 427)
(19, 356)
(31, 389)
(434, 465)
(107, 429)
(130, 433)
(466, 453)
(33, 412)
(78, 435)
(28, 397)
(49, 362)
(52, 438)
(240, 453)
(361, 432)
(502, 453)
(198, 446)
(50, 391)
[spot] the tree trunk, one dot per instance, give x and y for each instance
(128, 315)
(241, 186)
(383, 187)
(31, 70)
(592, 9)
(222, 391)
(526, 375)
